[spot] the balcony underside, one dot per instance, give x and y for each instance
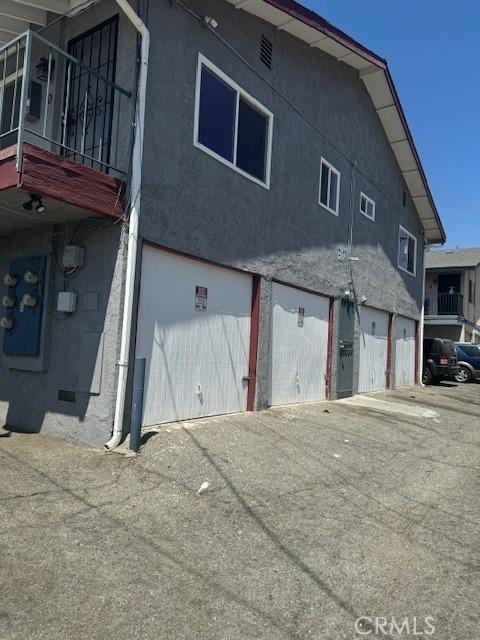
(69, 190)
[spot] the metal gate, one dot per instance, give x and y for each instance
(89, 101)
(345, 348)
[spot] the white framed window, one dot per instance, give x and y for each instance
(407, 251)
(231, 125)
(329, 189)
(367, 206)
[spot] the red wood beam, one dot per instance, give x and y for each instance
(328, 375)
(53, 176)
(388, 373)
(8, 173)
(418, 375)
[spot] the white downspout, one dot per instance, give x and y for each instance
(422, 319)
(132, 248)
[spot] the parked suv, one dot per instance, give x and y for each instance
(439, 360)
(468, 356)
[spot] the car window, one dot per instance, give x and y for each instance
(470, 350)
(449, 347)
(430, 347)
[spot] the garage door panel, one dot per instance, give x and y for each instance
(196, 359)
(373, 349)
(405, 351)
(299, 346)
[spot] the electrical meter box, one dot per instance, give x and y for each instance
(26, 285)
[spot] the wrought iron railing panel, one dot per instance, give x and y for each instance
(450, 304)
(52, 99)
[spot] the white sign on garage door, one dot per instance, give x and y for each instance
(405, 340)
(194, 331)
(299, 346)
(373, 349)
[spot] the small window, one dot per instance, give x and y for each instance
(231, 125)
(329, 190)
(367, 206)
(407, 251)
(470, 291)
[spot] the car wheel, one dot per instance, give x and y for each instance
(427, 376)
(463, 375)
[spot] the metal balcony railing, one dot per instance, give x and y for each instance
(450, 304)
(52, 100)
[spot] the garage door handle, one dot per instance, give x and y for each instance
(246, 379)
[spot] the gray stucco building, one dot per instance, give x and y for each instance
(282, 216)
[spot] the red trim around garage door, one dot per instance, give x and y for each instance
(328, 376)
(388, 372)
(254, 331)
(417, 352)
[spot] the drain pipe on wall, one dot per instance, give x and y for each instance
(132, 247)
(422, 320)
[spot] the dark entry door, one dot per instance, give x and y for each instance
(449, 283)
(90, 99)
(345, 348)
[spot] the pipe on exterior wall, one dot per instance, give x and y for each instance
(422, 321)
(132, 246)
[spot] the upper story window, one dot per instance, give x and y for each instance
(367, 206)
(232, 126)
(407, 251)
(329, 191)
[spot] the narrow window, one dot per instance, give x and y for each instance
(216, 122)
(329, 190)
(407, 251)
(231, 125)
(252, 140)
(367, 206)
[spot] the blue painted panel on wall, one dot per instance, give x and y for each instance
(23, 339)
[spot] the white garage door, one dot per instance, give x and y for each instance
(299, 346)
(373, 349)
(404, 352)
(194, 331)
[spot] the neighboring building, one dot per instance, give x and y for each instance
(452, 297)
(283, 215)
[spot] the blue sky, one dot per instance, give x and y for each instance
(432, 51)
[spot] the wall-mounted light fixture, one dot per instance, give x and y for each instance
(210, 22)
(34, 201)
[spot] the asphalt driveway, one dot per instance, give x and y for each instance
(314, 516)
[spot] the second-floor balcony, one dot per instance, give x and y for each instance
(50, 98)
(449, 304)
(65, 125)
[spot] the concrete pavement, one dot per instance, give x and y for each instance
(314, 516)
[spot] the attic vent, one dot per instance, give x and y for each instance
(266, 52)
